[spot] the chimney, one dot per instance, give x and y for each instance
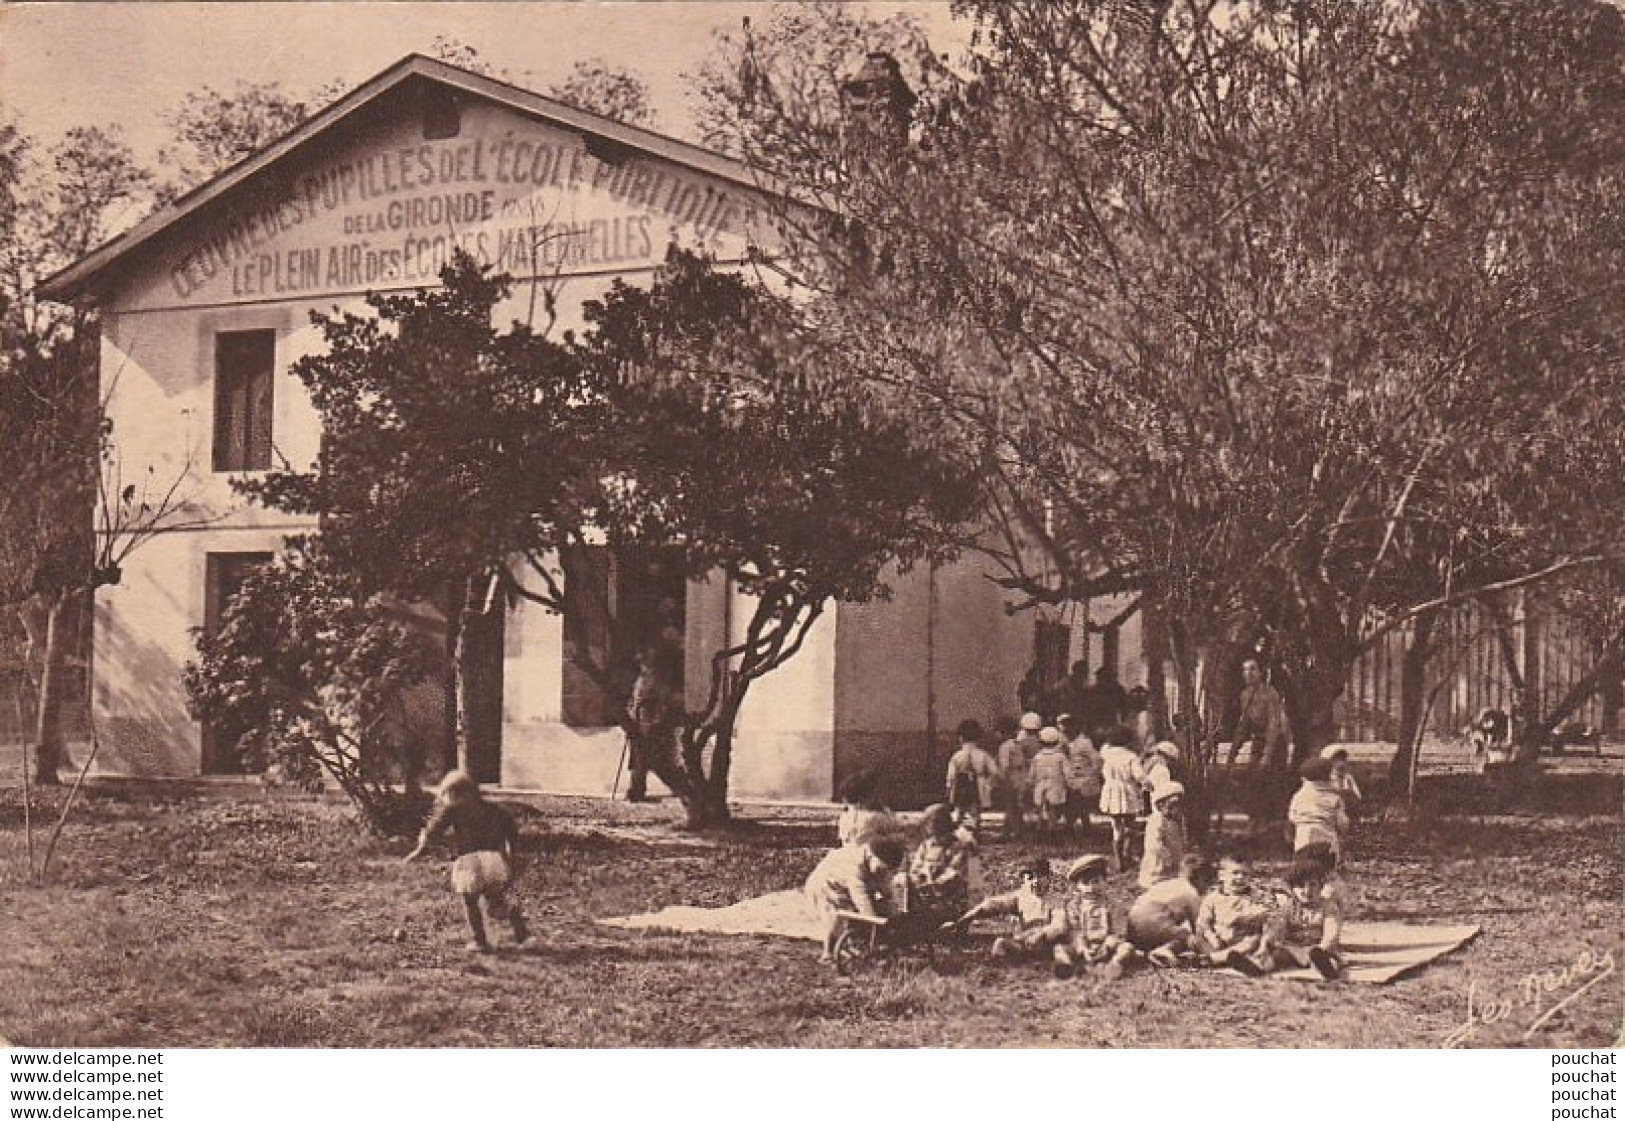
(877, 99)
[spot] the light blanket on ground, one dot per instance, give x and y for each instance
(1376, 952)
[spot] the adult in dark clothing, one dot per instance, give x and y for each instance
(1032, 692)
(1105, 704)
(1071, 693)
(1262, 723)
(653, 713)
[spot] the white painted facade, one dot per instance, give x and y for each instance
(365, 198)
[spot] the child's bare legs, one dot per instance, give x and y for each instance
(1022, 944)
(500, 907)
(476, 923)
(1122, 841)
(834, 926)
(1065, 963)
(1113, 955)
(1251, 955)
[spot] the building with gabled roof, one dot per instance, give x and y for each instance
(205, 306)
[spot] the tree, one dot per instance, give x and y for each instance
(595, 86)
(773, 92)
(761, 455)
(450, 449)
(1274, 311)
(459, 54)
(318, 669)
(64, 532)
(215, 129)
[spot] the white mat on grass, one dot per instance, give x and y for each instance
(1377, 952)
(787, 914)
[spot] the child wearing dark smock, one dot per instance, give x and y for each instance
(484, 836)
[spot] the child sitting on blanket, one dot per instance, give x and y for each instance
(856, 878)
(1316, 811)
(1233, 925)
(1040, 920)
(941, 870)
(484, 835)
(1162, 921)
(1310, 913)
(1092, 932)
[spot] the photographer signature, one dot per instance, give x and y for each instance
(1544, 992)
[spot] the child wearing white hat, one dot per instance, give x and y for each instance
(1048, 771)
(1164, 834)
(1342, 777)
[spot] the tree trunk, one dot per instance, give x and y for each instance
(50, 738)
(1155, 626)
(716, 783)
(1412, 698)
(695, 795)
(478, 685)
(1198, 818)
(1314, 723)
(1611, 687)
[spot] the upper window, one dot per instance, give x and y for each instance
(244, 369)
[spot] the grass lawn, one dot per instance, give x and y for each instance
(236, 918)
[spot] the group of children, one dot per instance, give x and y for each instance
(1057, 773)
(1197, 916)
(1187, 912)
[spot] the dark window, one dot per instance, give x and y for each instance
(244, 369)
(1111, 643)
(442, 117)
(1052, 644)
(224, 576)
(617, 603)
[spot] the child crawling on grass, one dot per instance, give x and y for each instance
(484, 835)
(854, 878)
(1162, 921)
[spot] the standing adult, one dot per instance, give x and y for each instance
(653, 713)
(1032, 691)
(1261, 721)
(1262, 724)
(1072, 693)
(1105, 704)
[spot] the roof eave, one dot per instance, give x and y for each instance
(78, 280)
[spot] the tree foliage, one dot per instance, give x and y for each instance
(697, 414)
(449, 449)
(744, 441)
(1294, 320)
(215, 129)
(597, 87)
(54, 439)
(318, 669)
